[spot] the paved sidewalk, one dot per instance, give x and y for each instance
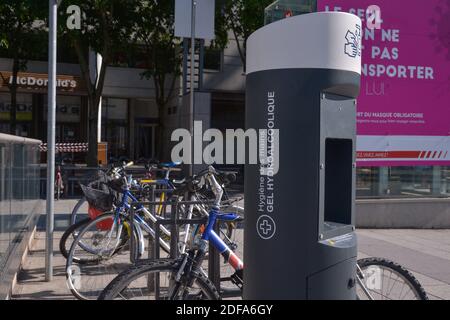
(31, 280)
(424, 252)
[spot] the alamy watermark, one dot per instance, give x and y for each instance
(236, 146)
(371, 15)
(73, 21)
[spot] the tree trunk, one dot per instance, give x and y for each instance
(160, 133)
(92, 156)
(13, 92)
(241, 50)
(13, 111)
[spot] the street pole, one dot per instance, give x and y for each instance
(192, 93)
(53, 10)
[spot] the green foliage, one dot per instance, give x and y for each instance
(22, 38)
(154, 31)
(105, 24)
(22, 35)
(243, 17)
(106, 27)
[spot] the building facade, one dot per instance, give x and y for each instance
(129, 115)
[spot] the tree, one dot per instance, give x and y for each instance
(105, 28)
(242, 18)
(22, 38)
(154, 32)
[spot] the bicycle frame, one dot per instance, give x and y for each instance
(127, 197)
(210, 235)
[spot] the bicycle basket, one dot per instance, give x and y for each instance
(104, 225)
(98, 199)
(117, 185)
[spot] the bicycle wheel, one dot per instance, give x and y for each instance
(387, 280)
(154, 280)
(98, 254)
(80, 211)
(69, 236)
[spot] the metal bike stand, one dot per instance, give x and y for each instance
(175, 222)
(151, 204)
(214, 262)
(151, 241)
(174, 239)
(133, 258)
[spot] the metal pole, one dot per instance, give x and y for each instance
(53, 10)
(192, 93)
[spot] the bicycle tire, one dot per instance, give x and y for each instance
(64, 247)
(119, 284)
(63, 241)
(407, 275)
(94, 258)
(82, 226)
(73, 214)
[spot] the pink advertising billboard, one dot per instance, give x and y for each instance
(404, 106)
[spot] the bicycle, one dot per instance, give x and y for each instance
(184, 278)
(81, 212)
(100, 242)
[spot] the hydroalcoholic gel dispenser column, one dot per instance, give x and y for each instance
(303, 76)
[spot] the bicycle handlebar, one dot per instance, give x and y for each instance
(129, 164)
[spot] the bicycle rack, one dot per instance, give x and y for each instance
(174, 222)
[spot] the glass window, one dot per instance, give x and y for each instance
(115, 126)
(24, 113)
(212, 59)
(401, 182)
(68, 109)
(115, 109)
(5, 199)
(134, 57)
(24, 107)
(19, 201)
